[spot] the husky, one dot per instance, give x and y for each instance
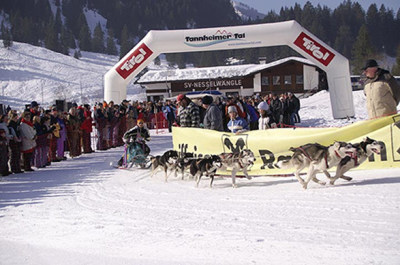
(317, 158)
(167, 161)
(183, 163)
(364, 149)
(238, 162)
(206, 166)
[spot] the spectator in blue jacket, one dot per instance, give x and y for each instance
(236, 124)
(169, 112)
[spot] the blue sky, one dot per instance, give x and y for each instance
(264, 6)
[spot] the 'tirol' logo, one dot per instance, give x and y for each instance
(313, 48)
(134, 60)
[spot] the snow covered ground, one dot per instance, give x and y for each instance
(82, 211)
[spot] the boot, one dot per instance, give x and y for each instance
(27, 161)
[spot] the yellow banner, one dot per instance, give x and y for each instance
(270, 146)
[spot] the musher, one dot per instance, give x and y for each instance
(138, 134)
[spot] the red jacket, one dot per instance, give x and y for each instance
(87, 123)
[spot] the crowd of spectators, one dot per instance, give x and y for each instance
(37, 137)
(254, 113)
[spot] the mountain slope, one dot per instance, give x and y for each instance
(246, 12)
(33, 73)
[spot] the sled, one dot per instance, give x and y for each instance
(134, 156)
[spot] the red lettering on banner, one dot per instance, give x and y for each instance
(134, 60)
(315, 49)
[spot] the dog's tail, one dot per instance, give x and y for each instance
(284, 164)
(154, 162)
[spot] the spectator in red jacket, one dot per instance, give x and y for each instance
(86, 128)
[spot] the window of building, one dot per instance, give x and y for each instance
(288, 79)
(299, 79)
(276, 80)
(264, 81)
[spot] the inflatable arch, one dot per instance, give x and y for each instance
(288, 33)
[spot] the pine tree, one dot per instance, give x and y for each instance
(98, 39)
(67, 39)
(85, 39)
(6, 36)
(125, 43)
(362, 50)
(396, 67)
(58, 22)
(51, 40)
(111, 48)
(344, 41)
(373, 25)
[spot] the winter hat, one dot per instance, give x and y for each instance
(180, 97)
(34, 104)
(370, 63)
(207, 100)
(263, 105)
(232, 109)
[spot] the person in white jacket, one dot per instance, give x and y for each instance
(263, 121)
(28, 136)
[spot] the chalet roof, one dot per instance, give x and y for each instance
(157, 76)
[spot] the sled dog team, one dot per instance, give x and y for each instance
(315, 157)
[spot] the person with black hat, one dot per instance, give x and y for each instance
(381, 89)
(100, 122)
(34, 109)
(213, 117)
(54, 131)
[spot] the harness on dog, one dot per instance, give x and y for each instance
(325, 157)
(355, 158)
(233, 156)
(305, 153)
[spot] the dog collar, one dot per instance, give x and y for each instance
(337, 154)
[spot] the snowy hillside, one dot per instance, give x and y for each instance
(246, 12)
(33, 73)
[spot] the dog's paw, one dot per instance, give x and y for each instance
(305, 186)
(346, 178)
(249, 177)
(234, 186)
